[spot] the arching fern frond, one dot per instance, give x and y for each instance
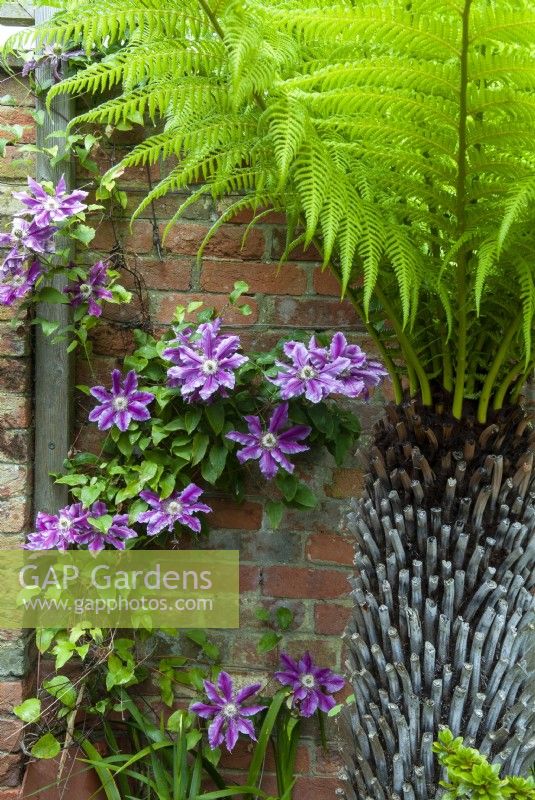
(400, 139)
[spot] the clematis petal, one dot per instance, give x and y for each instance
(116, 381)
(231, 735)
(279, 418)
(224, 682)
(215, 732)
(247, 692)
(130, 382)
(204, 710)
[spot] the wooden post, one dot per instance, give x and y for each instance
(54, 367)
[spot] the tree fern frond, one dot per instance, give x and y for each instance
(486, 259)
(153, 99)
(519, 200)
(314, 177)
(524, 270)
(405, 264)
(390, 27)
(286, 121)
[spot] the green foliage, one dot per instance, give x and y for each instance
(398, 137)
(185, 442)
(280, 620)
(470, 776)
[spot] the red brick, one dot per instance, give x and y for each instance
(325, 651)
(14, 515)
(328, 763)
(313, 313)
(285, 581)
(10, 115)
(89, 439)
(14, 446)
(330, 619)
(104, 159)
(240, 516)
(163, 307)
(18, 90)
(10, 769)
(171, 274)
(298, 254)
(14, 374)
(98, 372)
(139, 239)
(244, 653)
(13, 341)
(11, 694)
(112, 340)
(246, 215)
(11, 541)
(11, 794)
(325, 282)
(14, 479)
(78, 781)
(15, 164)
(7, 312)
(240, 758)
(345, 483)
(10, 734)
(316, 789)
(186, 238)
(220, 276)
(250, 578)
(330, 547)
(16, 411)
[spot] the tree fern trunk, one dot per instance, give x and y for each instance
(443, 599)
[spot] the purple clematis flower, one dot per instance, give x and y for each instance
(122, 404)
(312, 372)
(116, 535)
(19, 282)
(361, 374)
(48, 208)
(227, 711)
(91, 289)
(13, 264)
(204, 366)
(28, 236)
(183, 339)
(271, 446)
(58, 531)
(53, 55)
(178, 507)
(312, 686)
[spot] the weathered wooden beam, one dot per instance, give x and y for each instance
(54, 367)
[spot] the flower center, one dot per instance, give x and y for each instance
(64, 523)
(307, 372)
(209, 366)
(17, 233)
(174, 507)
(308, 681)
(18, 280)
(85, 290)
(269, 441)
(50, 204)
(119, 403)
(230, 710)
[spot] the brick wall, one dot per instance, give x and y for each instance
(304, 565)
(16, 439)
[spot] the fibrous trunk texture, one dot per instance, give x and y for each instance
(443, 599)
